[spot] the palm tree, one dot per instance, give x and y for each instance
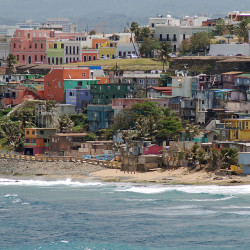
(11, 61)
(65, 124)
(165, 50)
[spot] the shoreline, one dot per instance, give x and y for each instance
(85, 172)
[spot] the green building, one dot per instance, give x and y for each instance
(104, 93)
(79, 83)
(55, 54)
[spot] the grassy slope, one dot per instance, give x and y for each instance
(125, 64)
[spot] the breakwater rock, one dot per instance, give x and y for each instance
(26, 168)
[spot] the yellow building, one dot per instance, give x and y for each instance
(107, 50)
(239, 129)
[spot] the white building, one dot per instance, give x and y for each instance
(176, 34)
(193, 20)
(8, 30)
(167, 21)
(229, 49)
(64, 22)
(183, 86)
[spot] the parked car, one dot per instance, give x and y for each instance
(104, 58)
(132, 56)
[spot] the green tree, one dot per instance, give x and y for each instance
(242, 30)
(229, 157)
(92, 32)
(147, 47)
(221, 27)
(196, 43)
(134, 28)
(191, 130)
(65, 124)
(11, 61)
(165, 50)
(149, 120)
(12, 134)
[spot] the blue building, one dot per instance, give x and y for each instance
(99, 116)
(78, 97)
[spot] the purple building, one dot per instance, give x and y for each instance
(78, 97)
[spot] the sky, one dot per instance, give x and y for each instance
(113, 14)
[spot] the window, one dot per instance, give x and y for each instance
(83, 74)
(55, 46)
(14, 45)
(89, 58)
(59, 84)
(47, 83)
(66, 52)
(203, 101)
(35, 58)
(160, 37)
(62, 46)
(128, 87)
(184, 37)
(28, 132)
(53, 60)
(118, 87)
(141, 81)
(86, 93)
(74, 50)
(70, 93)
(17, 57)
(107, 97)
(23, 57)
(42, 132)
(41, 58)
(174, 38)
(41, 45)
(152, 25)
(79, 84)
(94, 58)
(33, 132)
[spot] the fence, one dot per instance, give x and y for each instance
(103, 163)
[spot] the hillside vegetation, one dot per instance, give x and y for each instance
(124, 64)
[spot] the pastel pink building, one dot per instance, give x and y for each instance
(19, 95)
(29, 46)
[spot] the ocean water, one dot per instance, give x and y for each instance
(37, 214)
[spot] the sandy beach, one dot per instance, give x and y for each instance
(84, 171)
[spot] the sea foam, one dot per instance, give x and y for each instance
(67, 182)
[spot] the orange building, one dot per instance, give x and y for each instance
(97, 42)
(54, 81)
